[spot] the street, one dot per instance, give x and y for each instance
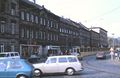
(94, 69)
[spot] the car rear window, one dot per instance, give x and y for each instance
(14, 64)
(62, 60)
(72, 59)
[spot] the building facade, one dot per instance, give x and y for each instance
(9, 25)
(101, 38)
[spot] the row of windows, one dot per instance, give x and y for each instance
(38, 35)
(4, 28)
(3, 48)
(61, 60)
(63, 30)
(38, 20)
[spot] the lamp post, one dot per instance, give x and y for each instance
(113, 42)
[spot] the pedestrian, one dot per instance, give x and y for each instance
(116, 55)
(112, 55)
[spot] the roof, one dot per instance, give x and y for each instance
(62, 56)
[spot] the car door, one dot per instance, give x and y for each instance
(51, 66)
(13, 68)
(63, 64)
(3, 66)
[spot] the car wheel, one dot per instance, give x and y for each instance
(37, 73)
(70, 71)
(21, 76)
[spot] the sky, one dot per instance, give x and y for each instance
(92, 13)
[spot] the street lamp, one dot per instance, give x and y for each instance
(113, 43)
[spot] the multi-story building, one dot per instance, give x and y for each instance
(84, 38)
(38, 26)
(102, 37)
(9, 25)
(69, 34)
(94, 40)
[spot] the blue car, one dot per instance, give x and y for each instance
(15, 68)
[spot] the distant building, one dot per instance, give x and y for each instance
(102, 39)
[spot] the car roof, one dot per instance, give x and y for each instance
(7, 52)
(61, 56)
(12, 59)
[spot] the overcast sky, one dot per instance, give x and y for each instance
(100, 13)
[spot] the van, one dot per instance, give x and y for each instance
(9, 55)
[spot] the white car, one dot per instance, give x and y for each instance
(68, 64)
(9, 55)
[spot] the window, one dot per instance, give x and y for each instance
(44, 36)
(13, 8)
(22, 33)
(53, 60)
(12, 48)
(51, 37)
(60, 30)
(57, 25)
(32, 18)
(72, 59)
(22, 15)
(13, 25)
(2, 28)
(14, 65)
(57, 38)
(36, 35)
(31, 34)
(54, 37)
(2, 47)
(12, 54)
(51, 23)
(27, 33)
(36, 19)
(62, 60)
(44, 22)
(48, 23)
(40, 20)
(48, 36)
(28, 16)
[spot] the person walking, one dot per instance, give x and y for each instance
(117, 55)
(112, 53)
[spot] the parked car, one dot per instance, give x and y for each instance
(15, 68)
(100, 55)
(9, 55)
(68, 64)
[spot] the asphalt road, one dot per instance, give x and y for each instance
(93, 68)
